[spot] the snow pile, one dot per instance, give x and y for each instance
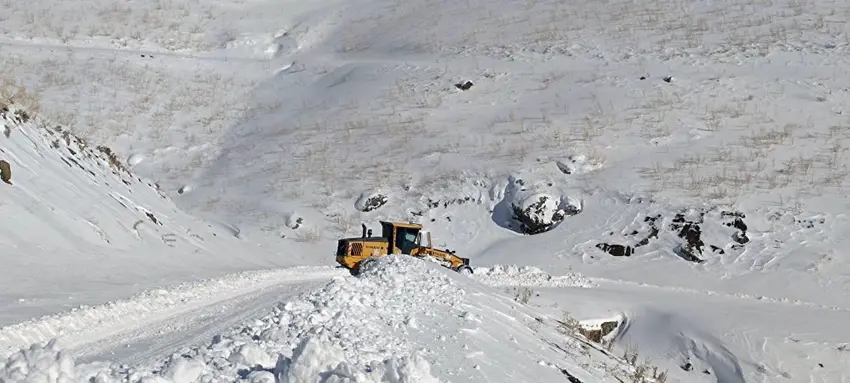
(394, 301)
(401, 320)
(528, 276)
(312, 360)
(46, 364)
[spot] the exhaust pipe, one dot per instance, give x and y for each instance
(364, 230)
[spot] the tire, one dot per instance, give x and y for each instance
(465, 270)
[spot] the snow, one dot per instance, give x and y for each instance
(76, 217)
(85, 323)
(690, 157)
(358, 329)
(530, 276)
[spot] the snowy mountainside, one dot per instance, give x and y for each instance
(75, 217)
(401, 320)
(688, 158)
(682, 120)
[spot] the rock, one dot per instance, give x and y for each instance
(736, 219)
(690, 231)
(597, 335)
(370, 201)
(294, 221)
(5, 172)
(740, 237)
(533, 207)
(464, 85)
(575, 164)
(537, 213)
(616, 250)
(653, 230)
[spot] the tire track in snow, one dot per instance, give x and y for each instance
(134, 52)
(740, 297)
(528, 276)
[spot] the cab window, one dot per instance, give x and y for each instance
(406, 239)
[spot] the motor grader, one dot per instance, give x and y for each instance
(396, 238)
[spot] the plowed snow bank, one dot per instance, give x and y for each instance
(401, 320)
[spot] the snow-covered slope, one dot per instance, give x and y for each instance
(689, 158)
(79, 228)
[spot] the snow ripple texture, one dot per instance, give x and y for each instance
(528, 276)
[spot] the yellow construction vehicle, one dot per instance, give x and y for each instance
(396, 238)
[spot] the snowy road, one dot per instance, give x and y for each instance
(163, 320)
(185, 328)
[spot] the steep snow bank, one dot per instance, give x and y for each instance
(402, 320)
(76, 216)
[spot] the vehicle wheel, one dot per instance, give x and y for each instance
(465, 270)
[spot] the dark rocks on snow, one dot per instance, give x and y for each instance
(717, 249)
(740, 237)
(434, 204)
(618, 250)
(570, 377)
(736, 219)
(372, 202)
(615, 249)
(529, 218)
(653, 230)
(464, 85)
(688, 226)
(445, 203)
(691, 232)
(153, 219)
(810, 223)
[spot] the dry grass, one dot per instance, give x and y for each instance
(13, 93)
(523, 294)
(643, 372)
(312, 235)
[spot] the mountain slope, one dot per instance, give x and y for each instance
(78, 220)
